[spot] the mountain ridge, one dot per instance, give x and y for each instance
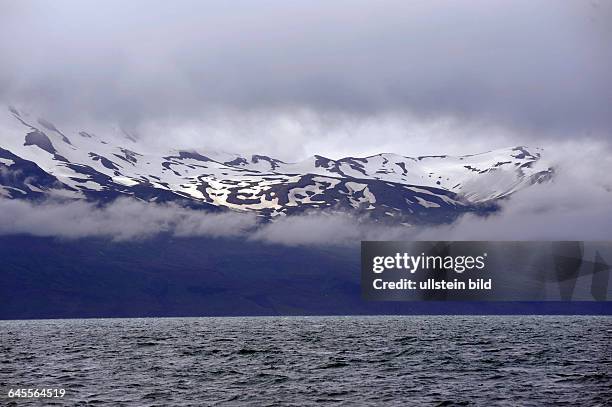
(39, 160)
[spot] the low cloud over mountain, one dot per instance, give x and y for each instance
(573, 205)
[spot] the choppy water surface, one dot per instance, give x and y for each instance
(307, 360)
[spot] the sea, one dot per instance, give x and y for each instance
(303, 361)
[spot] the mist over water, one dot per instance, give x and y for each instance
(522, 360)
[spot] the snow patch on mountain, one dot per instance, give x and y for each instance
(80, 163)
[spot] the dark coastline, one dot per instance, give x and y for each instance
(45, 278)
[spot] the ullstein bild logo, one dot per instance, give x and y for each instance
(505, 271)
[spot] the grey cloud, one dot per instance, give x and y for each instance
(122, 220)
(531, 65)
(129, 219)
(323, 229)
(574, 206)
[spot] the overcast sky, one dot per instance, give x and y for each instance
(331, 77)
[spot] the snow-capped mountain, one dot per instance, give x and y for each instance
(39, 160)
